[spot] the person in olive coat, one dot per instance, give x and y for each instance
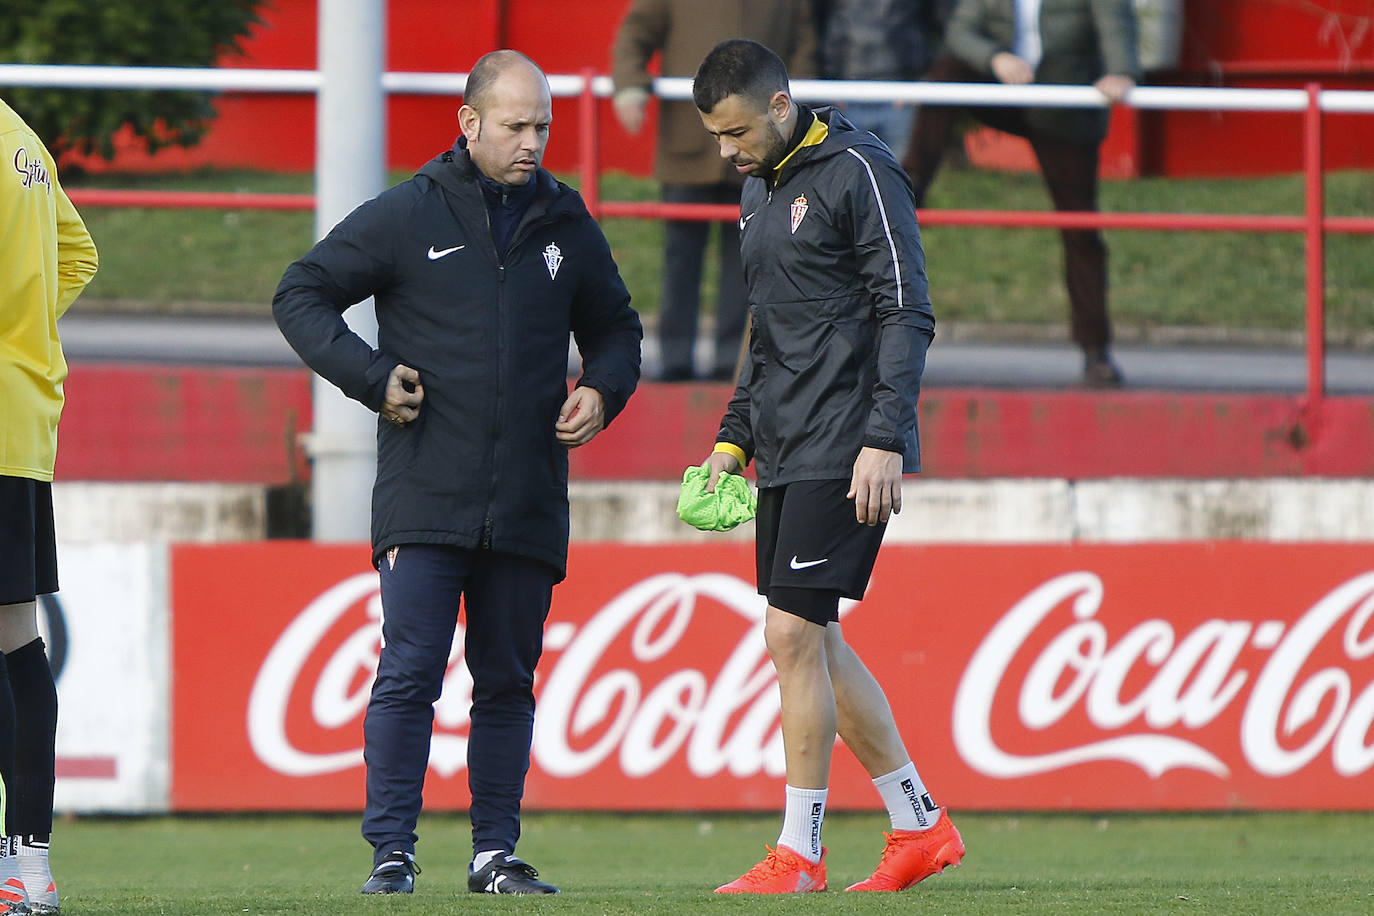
(1067, 42)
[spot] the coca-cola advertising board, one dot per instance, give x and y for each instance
(1205, 675)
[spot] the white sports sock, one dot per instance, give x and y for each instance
(908, 803)
(480, 860)
(801, 822)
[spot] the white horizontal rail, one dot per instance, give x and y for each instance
(453, 83)
(1346, 100)
(1176, 98)
(70, 76)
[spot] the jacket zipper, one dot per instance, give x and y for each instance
(488, 522)
(500, 394)
(516, 239)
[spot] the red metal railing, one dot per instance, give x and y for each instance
(1312, 223)
(190, 200)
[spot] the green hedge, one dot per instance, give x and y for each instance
(163, 33)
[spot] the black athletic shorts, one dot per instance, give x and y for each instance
(810, 550)
(28, 547)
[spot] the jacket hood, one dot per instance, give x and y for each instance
(453, 171)
(840, 135)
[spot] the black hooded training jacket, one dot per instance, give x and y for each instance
(841, 316)
(480, 467)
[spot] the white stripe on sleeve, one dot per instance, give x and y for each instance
(887, 228)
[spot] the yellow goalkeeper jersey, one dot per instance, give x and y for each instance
(46, 259)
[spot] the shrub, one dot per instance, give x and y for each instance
(119, 32)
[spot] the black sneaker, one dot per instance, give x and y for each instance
(505, 874)
(393, 875)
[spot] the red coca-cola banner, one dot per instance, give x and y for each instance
(1195, 675)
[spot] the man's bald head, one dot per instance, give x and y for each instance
(505, 116)
(488, 69)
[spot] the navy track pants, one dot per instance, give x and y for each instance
(505, 601)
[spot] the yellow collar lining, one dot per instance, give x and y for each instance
(814, 135)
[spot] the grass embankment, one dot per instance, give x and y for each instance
(197, 260)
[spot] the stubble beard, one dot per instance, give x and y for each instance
(776, 152)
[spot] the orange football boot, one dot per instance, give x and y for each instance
(782, 871)
(911, 856)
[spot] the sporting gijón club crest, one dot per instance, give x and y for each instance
(553, 257)
(798, 212)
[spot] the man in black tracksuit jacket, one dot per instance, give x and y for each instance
(826, 409)
(481, 265)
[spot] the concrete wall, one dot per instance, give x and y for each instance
(86, 511)
(935, 511)
(1040, 511)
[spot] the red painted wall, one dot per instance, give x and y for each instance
(1264, 43)
(1295, 37)
(245, 425)
(142, 423)
(1224, 43)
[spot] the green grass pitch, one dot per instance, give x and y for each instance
(646, 864)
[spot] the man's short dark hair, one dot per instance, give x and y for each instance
(487, 70)
(738, 66)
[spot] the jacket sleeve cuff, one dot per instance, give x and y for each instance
(375, 380)
(886, 443)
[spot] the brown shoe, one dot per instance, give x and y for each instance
(1101, 371)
